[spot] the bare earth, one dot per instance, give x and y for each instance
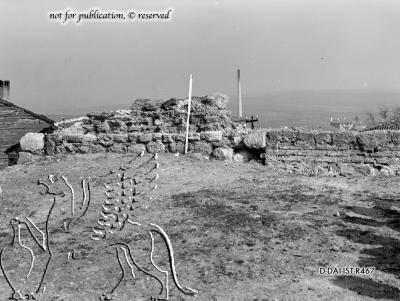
(239, 231)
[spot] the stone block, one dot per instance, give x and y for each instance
(168, 138)
(105, 140)
(134, 128)
(49, 147)
(372, 141)
(102, 127)
(60, 149)
(132, 137)
(32, 142)
(89, 138)
(117, 126)
(176, 147)
(223, 143)
(237, 141)
(305, 145)
(201, 147)
(73, 138)
(255, 140)
(179, 137)
(194, 137)
(157, 136)
(223, 153)
(83, 149)
(120, 138)
(117, 148)
(344, 140)
(211, 136)
(365, 169)
(136, 148)
(56, 137)
(70, 148)
(145, 137)
(238, 158)
(386, 170)
(219, 100)
(323, 137)
(394, 137)
(211, 127)
(304, 137)
(155, 147)
(346, 169)
(96, 148)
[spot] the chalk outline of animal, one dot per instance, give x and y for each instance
(104, 221)
(44, 246)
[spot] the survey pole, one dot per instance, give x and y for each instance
(188, 114)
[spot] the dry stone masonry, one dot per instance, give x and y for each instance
(157, 126)
(334, 153)
(153, 126)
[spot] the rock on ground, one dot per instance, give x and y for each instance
(223, 153)
(32, 142)
(238, 158)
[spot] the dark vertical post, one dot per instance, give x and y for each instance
(240, 113)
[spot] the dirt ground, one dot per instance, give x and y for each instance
(239, 232)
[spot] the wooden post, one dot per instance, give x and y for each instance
(188, 115)
(252, 120)
(240, 113)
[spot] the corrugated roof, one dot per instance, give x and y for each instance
(38, 116)
(388, 125)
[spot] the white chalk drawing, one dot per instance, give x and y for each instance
(16, 225)
(121, 195)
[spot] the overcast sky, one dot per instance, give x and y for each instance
(277, 44)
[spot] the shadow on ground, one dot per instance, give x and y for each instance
(382, 252)
(367, 287)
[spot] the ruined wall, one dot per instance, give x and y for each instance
(333, 153)
(160, 127)
(298, 151)
(150, 126)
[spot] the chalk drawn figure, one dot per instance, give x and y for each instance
(130, 184)
(17, 247)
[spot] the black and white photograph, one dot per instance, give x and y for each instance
(209, 150)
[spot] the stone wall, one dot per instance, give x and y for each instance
(333, 153)
(160, 127)
(150, 126)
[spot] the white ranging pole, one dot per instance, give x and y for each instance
(188, 115)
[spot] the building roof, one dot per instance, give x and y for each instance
(38, 116)
(388, 125)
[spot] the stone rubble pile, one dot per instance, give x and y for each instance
(153, 126)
